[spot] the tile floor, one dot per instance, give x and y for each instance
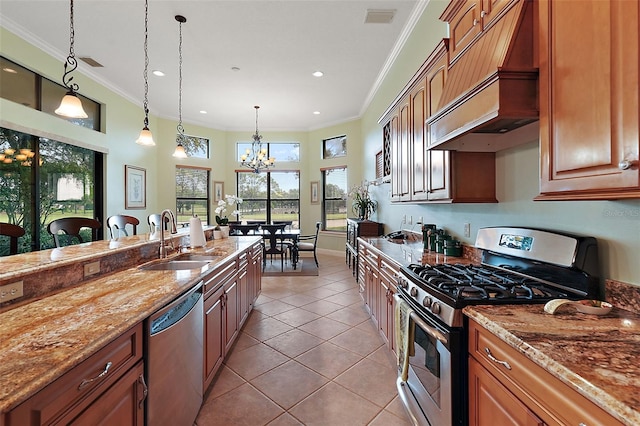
(308, 354)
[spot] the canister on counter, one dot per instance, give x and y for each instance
(427, 230)
(440, 242)
(452, 248)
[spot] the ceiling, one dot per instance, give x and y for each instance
(276, 45)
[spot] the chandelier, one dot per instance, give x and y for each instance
(71, 106)
(180, 152)
(146, 138)
(255, 157)
(24, 156)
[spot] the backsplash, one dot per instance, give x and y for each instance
(623, 295)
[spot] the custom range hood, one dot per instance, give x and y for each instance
(491, 86)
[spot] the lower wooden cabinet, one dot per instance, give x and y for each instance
(213, 335)
(108, 385)
(506, 387)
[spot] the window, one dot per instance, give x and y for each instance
(42, 180)
(192, 194)
(270, 196)
(25, 87)
(281, 151)
(334, 199)
(334, 147)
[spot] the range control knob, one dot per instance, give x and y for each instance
(426, 302)
(403, 283)
(435, 308)
(413, 292)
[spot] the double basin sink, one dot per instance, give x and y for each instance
(181, 262)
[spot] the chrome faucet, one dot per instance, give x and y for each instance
(173, 230)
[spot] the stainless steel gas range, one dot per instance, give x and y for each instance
(519, 265)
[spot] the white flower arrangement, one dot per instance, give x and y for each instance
(224, 209)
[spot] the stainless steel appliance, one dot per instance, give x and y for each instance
(175, 361)
(519, 265)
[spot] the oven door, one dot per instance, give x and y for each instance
(426, 388)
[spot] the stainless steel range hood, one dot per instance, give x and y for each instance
(491, 88)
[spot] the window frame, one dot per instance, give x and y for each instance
(207, 199)
(326, 199)
(269, 200)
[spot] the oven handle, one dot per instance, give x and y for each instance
(431, 331)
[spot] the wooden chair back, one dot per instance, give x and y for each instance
(154, 222)
(13, 232)
(70, 228)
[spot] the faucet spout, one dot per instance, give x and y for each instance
(172, 230)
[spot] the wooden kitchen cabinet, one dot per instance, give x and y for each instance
(108, 385)
(589, 121)
(358, 228)
(505, 384)
(244, 298)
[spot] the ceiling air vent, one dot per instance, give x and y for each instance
(91, 62)
(379, 16)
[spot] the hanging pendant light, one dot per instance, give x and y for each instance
(180, 152)
(256, 157)
(146, 138)
(70, 106)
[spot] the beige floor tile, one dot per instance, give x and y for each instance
(254, 361)
(289, 383)
(334, 405)
(266, 329)
(243, 406)
(341, 285)
(293, 342)
(285, 419)
(358, 341)
(368, 327)
(296, 317)
(396, 407)
(385, 418)
(274, 307)
(370, 380)
(322, 307)
(344, 299)
(384, 356)
(225, 381)
(320, 292)
(243, 341)
(349, 316)
(299, 299)
(324, 328)
(328, 359)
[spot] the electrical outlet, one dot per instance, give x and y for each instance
(91, 268)
(410, 220)
(11, 291)
(404, 218)
(420, 221)
(467, 229)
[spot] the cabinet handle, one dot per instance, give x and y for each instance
(482, 14)
(496, 360)
(86, 382)
(145, 390)
(475, 22)
(625, 164)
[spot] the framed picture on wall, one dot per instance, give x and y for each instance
(135, 187)
(315, 199)
(218, 191)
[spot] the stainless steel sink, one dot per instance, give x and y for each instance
(174, 265)
(195, 257)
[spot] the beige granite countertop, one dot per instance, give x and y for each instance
(598, 356)
(43, 339)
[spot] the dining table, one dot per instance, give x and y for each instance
(292, 235)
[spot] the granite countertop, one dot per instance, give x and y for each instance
(405, 252)
(598, 356)
(43, 339)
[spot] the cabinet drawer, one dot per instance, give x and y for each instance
(220, 275)
(389, 270)
(78, 388)
(551, 399)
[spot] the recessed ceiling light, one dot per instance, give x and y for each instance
(235, 69)
(10, 70)
(318, 74)
(203, 112)
(158, 73)
(316, 112)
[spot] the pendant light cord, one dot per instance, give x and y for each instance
(71, 64)
(180, 128)
(146, 64)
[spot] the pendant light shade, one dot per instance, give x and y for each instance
(70, 106)
(180, 152)
(146, 138)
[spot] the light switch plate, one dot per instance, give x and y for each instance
(11, 291)
(91, 268)
(467, 230)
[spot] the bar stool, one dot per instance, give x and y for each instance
(13, 232)
(70, 228)
(117, 225)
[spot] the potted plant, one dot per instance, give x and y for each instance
(224, 209)
(363, 205)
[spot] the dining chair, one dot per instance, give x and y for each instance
(273, 243)
(70, 228)
(13, 232)
(310, 243)
(154, 222)
(117, 225)
(240, 229)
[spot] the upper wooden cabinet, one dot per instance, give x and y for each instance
(589, 93)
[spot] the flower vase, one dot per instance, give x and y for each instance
(217, 235)
(224, 229)
(363, 212)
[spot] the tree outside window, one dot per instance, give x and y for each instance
(334, 199)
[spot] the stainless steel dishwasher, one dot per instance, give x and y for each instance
(174, 361)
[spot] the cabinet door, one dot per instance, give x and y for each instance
(464, 25)
(395, 158)
(122, 404)
(213, 335)
(401, 162)
(418, 161)
(491, 403)
(589, 99)
(230, 314)
(243, 290)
